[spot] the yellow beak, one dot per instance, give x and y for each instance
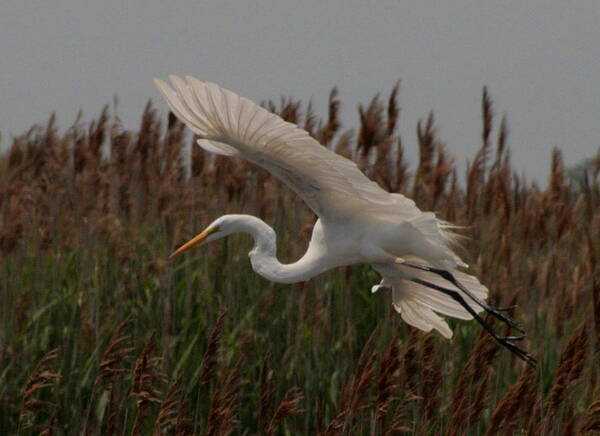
(194, 241)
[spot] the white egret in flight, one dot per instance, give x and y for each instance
(358, 221)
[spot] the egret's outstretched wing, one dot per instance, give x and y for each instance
(331, 185)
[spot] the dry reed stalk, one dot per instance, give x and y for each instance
(43, 376)
(432, 378)
(354, 395)
(476, 171)
(387, 381)
(441, 173)
(469, 396)
(487, 115)
(568, 427)
(357, 393)
(590, 421)
(427, 145)
(393, 111)
(534, 424)
(265, 403)
(117, 354)
(515, 404)
(287, 407)
(310, 120)
(496, 195)
(343, 145)
(502, 139)
(169, 406)
(224, 406)
(388, 172)
(198, 160)
(97, 134)
(183, 425)
(398, 425)
(172, 413)
(327, 132)
(335, 426)
(557, 183)
(382, 170)
(112, 417)
(211, 356)
(372, 131)
(410, 363)
(571, 365)
(146, 375)
(111, 370)
(123, 176)
(290, 110)
(400, 168)
(450, 209)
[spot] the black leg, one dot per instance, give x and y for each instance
(504, 341)
(494, 311)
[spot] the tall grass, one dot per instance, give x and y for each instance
(101, 334)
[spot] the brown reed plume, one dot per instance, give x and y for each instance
(515, 405)
(287, 407)
(333, 124)
(432, 377)
(387, 380)
(476, 171)
(225, 403)
(172, 414)
(146, 375)
(111, 371)
(570, 368)
(117, 354)
(355, 393)
(211, 355)
(265, 404)
(590, 422)
(42, 377)
(410, 362)
(434, 165)
(469, 397)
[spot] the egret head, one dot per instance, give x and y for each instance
(218, 229)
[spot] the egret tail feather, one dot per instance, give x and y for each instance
(421, 306)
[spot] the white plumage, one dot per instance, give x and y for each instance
(358, 220)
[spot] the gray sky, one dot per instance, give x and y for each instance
(540, 60)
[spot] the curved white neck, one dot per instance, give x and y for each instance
(264, 260)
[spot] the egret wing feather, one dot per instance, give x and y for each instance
(331, 185)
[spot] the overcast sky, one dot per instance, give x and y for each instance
(540, 60)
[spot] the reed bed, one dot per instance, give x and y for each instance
(101, 334)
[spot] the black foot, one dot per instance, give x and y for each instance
(494, 311)
(504, 341)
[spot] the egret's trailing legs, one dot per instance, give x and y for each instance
(494, 311)
(504, 341)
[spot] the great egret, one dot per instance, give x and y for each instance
(357, 220)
